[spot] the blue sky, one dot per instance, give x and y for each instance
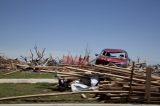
(67, 26)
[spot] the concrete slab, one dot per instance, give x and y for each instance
(28, 81)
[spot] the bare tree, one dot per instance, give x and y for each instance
(36, 58)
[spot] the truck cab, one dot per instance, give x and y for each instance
(118, 57)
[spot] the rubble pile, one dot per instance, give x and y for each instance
(108, 83)
(8, 64)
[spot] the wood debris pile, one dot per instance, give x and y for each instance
(122, 84)
(8, 64)
(115, 84)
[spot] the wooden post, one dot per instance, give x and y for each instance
(148, 84)
(131, 80)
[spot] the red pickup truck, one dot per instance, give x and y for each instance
(117, 56)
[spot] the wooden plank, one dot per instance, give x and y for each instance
(57, 94)
(104, 82)
(141, 88)
(35, 95)
(72, 74)
(126, 69)
(123, 71)
(46, 71)
(117, 95)
(113, 75)
(143, 92)
(108, 69)
(110, 88)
